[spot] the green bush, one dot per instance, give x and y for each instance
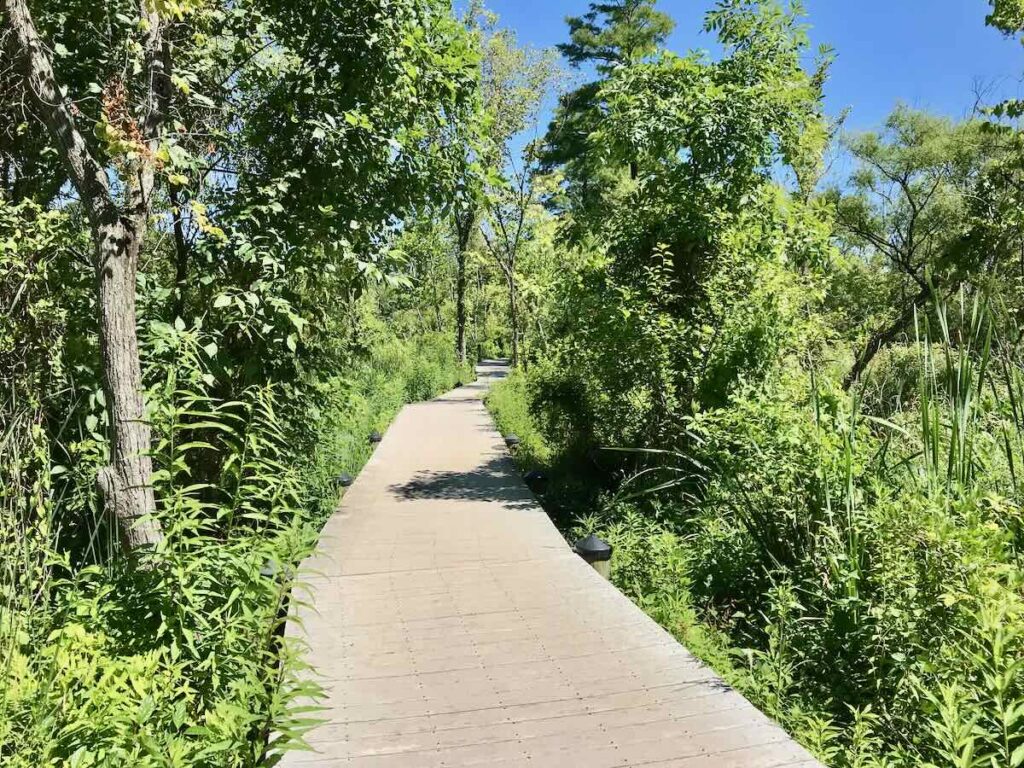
(858, 577)
(177, 663)
(510, 405)
(180, 663)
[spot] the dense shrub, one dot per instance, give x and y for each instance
(858, 577)
(180, 662)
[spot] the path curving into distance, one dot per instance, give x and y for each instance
(451, 625)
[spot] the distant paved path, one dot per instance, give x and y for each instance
(454, 627)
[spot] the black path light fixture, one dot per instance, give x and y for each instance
(512, 441)
(537, 481)
(597, 552)
(344, 480)
(375, 437)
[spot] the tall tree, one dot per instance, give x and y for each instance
(614, 34)
(468, 139)
(697, 256)
(513, 82)
(516, 82)
(118, 224)
(906, 214)
(608, 36)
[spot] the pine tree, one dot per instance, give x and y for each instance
(609, 35)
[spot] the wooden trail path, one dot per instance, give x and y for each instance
(453, 626)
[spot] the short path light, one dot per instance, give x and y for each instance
(375, 437)
(597, 552)
(537, 482)
(512, 441)
(344, 480)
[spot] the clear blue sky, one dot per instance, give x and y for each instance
(927, 53)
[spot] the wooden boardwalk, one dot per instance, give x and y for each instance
(453, 626)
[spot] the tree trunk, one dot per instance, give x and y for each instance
(125, 484)
(513, 317)
(885, 337)
(460, 306)
(117, 240)
(181, 254)
(463, 231)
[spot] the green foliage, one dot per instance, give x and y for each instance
(906, 214)
(609, 35)
(341, 118)
(855, 586)
(339, 188)
(176, 665)
(272, 343)
(616, 33)
(510, 405)
(1007, 16)
(847, 556)
(182, 663)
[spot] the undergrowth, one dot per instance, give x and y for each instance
(857, 575)
(180, 662)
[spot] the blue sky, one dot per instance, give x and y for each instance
(928, 53)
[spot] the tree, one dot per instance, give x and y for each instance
(610, 35)
(505, 233)
(515, 81)
(906, 212)
(511, 85)
(705, 262)
(468, 140)
(118, 229)
(277, 151)
(1007, 16)
(615, 34)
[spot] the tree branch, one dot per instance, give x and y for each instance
(86, 174)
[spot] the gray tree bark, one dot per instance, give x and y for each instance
(513, 316)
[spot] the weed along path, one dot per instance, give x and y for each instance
(451, 626)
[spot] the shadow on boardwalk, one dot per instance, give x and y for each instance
(494, 480)
(436, 647)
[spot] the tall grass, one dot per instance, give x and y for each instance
(950, 394)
